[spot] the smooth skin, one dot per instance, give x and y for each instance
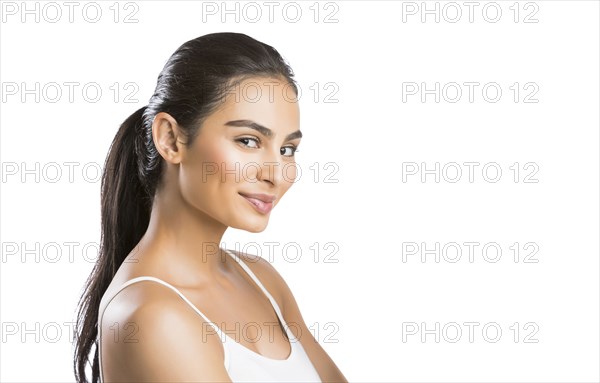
(149, 334)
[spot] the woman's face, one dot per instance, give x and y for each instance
(229, 158)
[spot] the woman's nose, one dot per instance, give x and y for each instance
(271, 167)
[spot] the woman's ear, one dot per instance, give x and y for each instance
(168, 137)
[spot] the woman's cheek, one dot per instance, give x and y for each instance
(289, 173)
(228, 164)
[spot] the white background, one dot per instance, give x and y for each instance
(377, 291)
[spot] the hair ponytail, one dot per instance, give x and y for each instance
(125, 212)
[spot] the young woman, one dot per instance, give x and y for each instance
(214, 148)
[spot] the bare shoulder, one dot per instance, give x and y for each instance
(149, 326)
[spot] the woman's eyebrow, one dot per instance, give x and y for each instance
(262, 129)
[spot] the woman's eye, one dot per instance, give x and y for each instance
(294, 150)
(291, 149)
(245, 139)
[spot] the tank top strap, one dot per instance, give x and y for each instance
(154, 279)
(264, 290)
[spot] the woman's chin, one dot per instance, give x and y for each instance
(257, 225)
(256, 228)
(254, 225)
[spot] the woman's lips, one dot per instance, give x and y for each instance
(260, 206)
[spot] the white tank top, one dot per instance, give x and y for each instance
(241, 363)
